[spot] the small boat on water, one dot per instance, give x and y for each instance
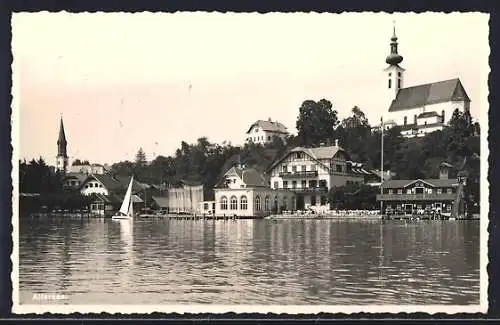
(126, 210)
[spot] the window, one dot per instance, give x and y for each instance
(449, 191)
(390, 191)
(448, 207)
(284, 203)
(299, 155)
(294, 184)
(303, 168)
(439, 191)
(266, 203)
(233, 203)
(390, 74)
(313, 199)
(400, 191)
(243, 202)
(323, 200)
(425, 122)
(339, 168)
(322, 183)
(294, 169)
(399, 83)
(257, 203)
(285, 184)
(442, 116)
(268, 138)
(415, 119)
(390, 83)
(205, 206)
(223, 203)
(399, 74)
(91, 184)
(304, 184)
(408, 191)
(256, 130)
(405, 121)
(283, 168)
(313, 167)
(276, 184)
(313, 183)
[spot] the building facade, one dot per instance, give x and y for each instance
(419, 109)
(88, 169)
(311, 172)
(244, 192)
(263, 132)
(411, 196)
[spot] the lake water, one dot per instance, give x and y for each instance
(146, 261)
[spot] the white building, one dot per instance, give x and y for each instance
(419, 109)
(88, 169)
(312, 172)
(107, 184)
(244, 192)
(266, 131)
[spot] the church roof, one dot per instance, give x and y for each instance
(427, 94)
(62, 135)
(271, 126)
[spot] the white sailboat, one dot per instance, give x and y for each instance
(126, 210)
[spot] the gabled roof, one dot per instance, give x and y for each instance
(427, 94)
(161, 201)
(316, 153)
(249, 176)
(402, 183)
(116, 182)
(271, 126)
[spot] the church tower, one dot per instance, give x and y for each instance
(394, 73)
(62, 155)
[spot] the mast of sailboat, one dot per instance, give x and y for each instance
(381, 162)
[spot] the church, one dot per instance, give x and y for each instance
(419, 109)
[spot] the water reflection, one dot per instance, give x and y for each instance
(251, 261)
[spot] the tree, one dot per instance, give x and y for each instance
(316, 122)
(140, 158)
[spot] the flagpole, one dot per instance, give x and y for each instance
(381, 163)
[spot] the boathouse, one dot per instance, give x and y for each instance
(410, 197)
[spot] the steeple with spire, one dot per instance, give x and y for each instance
(62, 155)
(394, 72)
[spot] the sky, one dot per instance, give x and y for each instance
(124, 81)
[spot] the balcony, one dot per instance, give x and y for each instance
(301, 174)
(417, 197)
(304, 190)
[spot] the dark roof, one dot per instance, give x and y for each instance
(316, 153)
(62, 135)
(249, 176)
(113, 199)
(271, 126)
(427, 114)
(401, 183)
(427, 94)
(117, 182)
(161, 201)
(80, 176)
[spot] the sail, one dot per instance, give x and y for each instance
(126, 204)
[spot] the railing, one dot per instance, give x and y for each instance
(415, 197)
(310, 173)
(319, 189)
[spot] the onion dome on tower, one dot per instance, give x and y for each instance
(394, 58)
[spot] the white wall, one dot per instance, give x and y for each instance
(257, 135)
(448, 107)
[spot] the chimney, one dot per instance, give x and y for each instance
(322, 144)
(336, 142)
(269, 119)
